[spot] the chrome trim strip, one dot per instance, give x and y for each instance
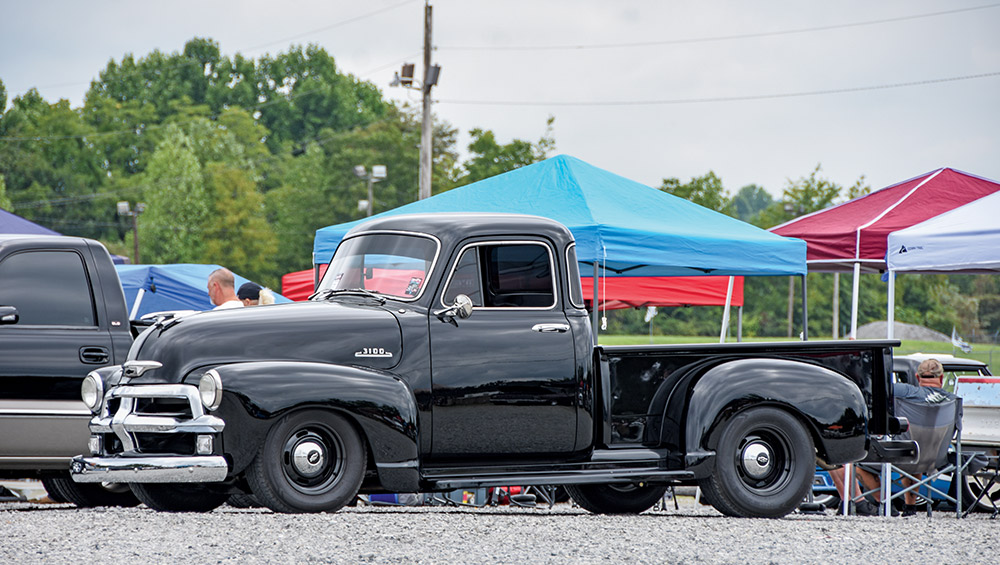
(201, 469)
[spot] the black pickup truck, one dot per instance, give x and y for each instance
(62, 314)
(453, 350)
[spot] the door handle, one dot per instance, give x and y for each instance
(95, 355)
(550, 328)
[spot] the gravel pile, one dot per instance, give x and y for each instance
(58, 533)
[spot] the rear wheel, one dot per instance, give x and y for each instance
(311, 461)
(764, 465)
(179, 497)
(616, 498)
(87, 495)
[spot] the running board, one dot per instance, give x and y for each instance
(558, 478)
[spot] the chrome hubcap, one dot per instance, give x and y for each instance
(309, 458)
(757, 459)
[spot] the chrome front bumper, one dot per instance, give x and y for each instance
(130, 423)
(196, 469)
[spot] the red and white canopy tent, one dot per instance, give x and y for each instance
(853, 236)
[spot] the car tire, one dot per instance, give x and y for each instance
(89, 495)
(243, 501)
(181, 497)
(311, 461)
(764, 465)
(616, 498)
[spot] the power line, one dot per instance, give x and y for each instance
(720, 98)
(709, 39)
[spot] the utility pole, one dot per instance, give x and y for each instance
(426, 132)
(404, 78)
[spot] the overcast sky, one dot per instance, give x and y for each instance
(645, 89)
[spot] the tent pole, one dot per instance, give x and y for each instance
(890, 314)
(805, 311)
(836, 305)
(135, 306)
(315, 276)
(593, 324)
(854, 300)
(725, 312)
(739, 323)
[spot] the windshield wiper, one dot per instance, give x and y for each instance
(330, 292)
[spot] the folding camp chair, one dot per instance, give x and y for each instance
(933, 425)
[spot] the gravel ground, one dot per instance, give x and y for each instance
(60, 533)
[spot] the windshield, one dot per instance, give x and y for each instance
(394, 265)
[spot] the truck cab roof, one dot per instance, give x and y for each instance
(451, 227)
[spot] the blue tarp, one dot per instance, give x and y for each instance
(12, 223)
(636, 230)
(180, 286)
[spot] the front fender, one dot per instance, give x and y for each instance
(256, 394)
(830, 405)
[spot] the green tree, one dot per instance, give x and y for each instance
(177, 203)
(705, 191)
(490, 158)
(5, 202)
(750, 201)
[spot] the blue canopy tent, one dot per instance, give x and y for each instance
(12, 223)
(622, 227)
(162, 288)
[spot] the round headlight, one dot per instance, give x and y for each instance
(210, 388)
(92, 392)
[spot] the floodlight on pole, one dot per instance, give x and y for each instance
(125, 209)
(378, 173)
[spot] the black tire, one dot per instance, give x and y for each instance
(616, 498)
(311, 461)
(243, 501)
(178, 497)
(89, 495)
(764, 465)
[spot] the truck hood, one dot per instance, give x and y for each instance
(358, 333)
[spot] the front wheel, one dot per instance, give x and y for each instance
(311, 461)
(973, 487)
(764, 465)
(180, 497)
(616, 499)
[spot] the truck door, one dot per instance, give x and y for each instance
(47, 352)
(503, 379)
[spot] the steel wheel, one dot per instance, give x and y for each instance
(764, 465)
(311, 461)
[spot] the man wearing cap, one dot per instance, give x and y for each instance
(930, 378)
(222, 289)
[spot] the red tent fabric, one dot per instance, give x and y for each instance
(633, 292)
(622, 292)
(298, 286)
(857, 231)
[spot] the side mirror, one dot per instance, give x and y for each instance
(462, 308)
(8, 315)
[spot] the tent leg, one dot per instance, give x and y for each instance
(315, 277)
(593, 324)
(135, 306)
(805, 311)
(854, 301)
(725, 312)
(739, 323)
(890, 314)
(836, 305)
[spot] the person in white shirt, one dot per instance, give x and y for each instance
(222, 289)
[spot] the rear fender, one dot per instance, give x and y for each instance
(829, 404)
(256, 395)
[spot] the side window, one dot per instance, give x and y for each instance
(466, 279)
(507, 275)
(47, 288)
